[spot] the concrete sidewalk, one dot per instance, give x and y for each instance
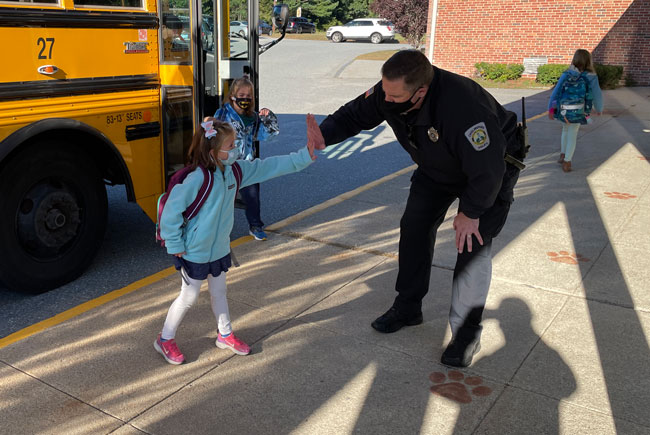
(564, 349)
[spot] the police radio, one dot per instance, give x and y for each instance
(516, 158)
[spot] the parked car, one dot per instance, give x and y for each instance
(300, 25)
(265, 28)
(374, 29)
(239, 27)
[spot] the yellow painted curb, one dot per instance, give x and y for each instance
(94, 303)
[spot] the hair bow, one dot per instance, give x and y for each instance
(210, 132)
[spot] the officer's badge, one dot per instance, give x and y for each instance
(477, 135)
(370, 91)
(433, 134)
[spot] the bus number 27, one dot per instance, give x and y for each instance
(42, 42)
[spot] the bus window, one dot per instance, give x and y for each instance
(238, 30)
(177, 125)
(175, 32)
(110, 3)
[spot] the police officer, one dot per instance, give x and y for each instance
(458, 135)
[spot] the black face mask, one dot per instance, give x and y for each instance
(397, 108)
(243, 103)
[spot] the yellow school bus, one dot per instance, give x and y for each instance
(96, 92)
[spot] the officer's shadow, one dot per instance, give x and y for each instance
(534, 394)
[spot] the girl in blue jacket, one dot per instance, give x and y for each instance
(201, 246)
(249, 126)
(580, 65)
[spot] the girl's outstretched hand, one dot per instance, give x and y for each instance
(314, 136)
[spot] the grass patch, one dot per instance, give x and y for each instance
(522, 83)
(382, 55)
(318, 36)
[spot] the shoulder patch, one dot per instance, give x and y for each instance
(477, 136)
(370, 91)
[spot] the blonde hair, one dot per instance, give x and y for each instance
(236, 85)
(582, 61)
(199, 152)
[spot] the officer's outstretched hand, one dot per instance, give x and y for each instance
(314, 134)
(311, 122)
(466, 227)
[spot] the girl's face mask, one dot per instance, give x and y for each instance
(243, 103)
(233, 155)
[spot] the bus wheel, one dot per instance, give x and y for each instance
(52, 217)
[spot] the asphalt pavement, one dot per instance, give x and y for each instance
(564, 349)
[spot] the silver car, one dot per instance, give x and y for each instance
(240, 28)
(374, 29)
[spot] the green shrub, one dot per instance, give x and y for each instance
(499, 72)
(608, 75)
(549, 74)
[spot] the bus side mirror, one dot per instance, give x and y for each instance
(280, 16)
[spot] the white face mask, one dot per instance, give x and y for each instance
(233, 155)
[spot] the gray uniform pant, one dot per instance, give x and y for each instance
(425, 210)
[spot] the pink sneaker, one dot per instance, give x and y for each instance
(233, 343)
(169, 350)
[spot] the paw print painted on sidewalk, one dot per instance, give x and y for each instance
(566, 257)
(619, 195)
(461, 389)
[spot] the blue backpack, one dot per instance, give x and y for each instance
(574, 101)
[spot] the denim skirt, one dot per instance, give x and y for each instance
(202, 270)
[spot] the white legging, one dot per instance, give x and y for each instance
(189, 294)
(569, 139)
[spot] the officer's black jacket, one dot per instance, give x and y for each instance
(453, 106)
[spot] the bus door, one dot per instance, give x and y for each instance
(176, 81)
(200, 55)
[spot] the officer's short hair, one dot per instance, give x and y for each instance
(411, 65)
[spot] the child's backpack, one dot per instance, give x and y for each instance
(193, 209)
(574, 100)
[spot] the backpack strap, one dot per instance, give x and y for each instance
(204, 191)
(236, 170)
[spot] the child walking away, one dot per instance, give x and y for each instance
(201, 245)
(571, 102)
(250, 126)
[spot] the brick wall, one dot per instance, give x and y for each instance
(617, 32)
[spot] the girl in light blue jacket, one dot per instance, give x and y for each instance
(580, 65)
(201, 246)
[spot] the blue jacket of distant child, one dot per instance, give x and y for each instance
(246, 134)
(206, 237)
(592, 78)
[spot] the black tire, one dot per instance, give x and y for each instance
(299, 30)
(337, 37)
(270, 32)
(52, 217)
(376, 38)
(313, 30)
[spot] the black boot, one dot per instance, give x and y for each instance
(392, 321)
(459, 352)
